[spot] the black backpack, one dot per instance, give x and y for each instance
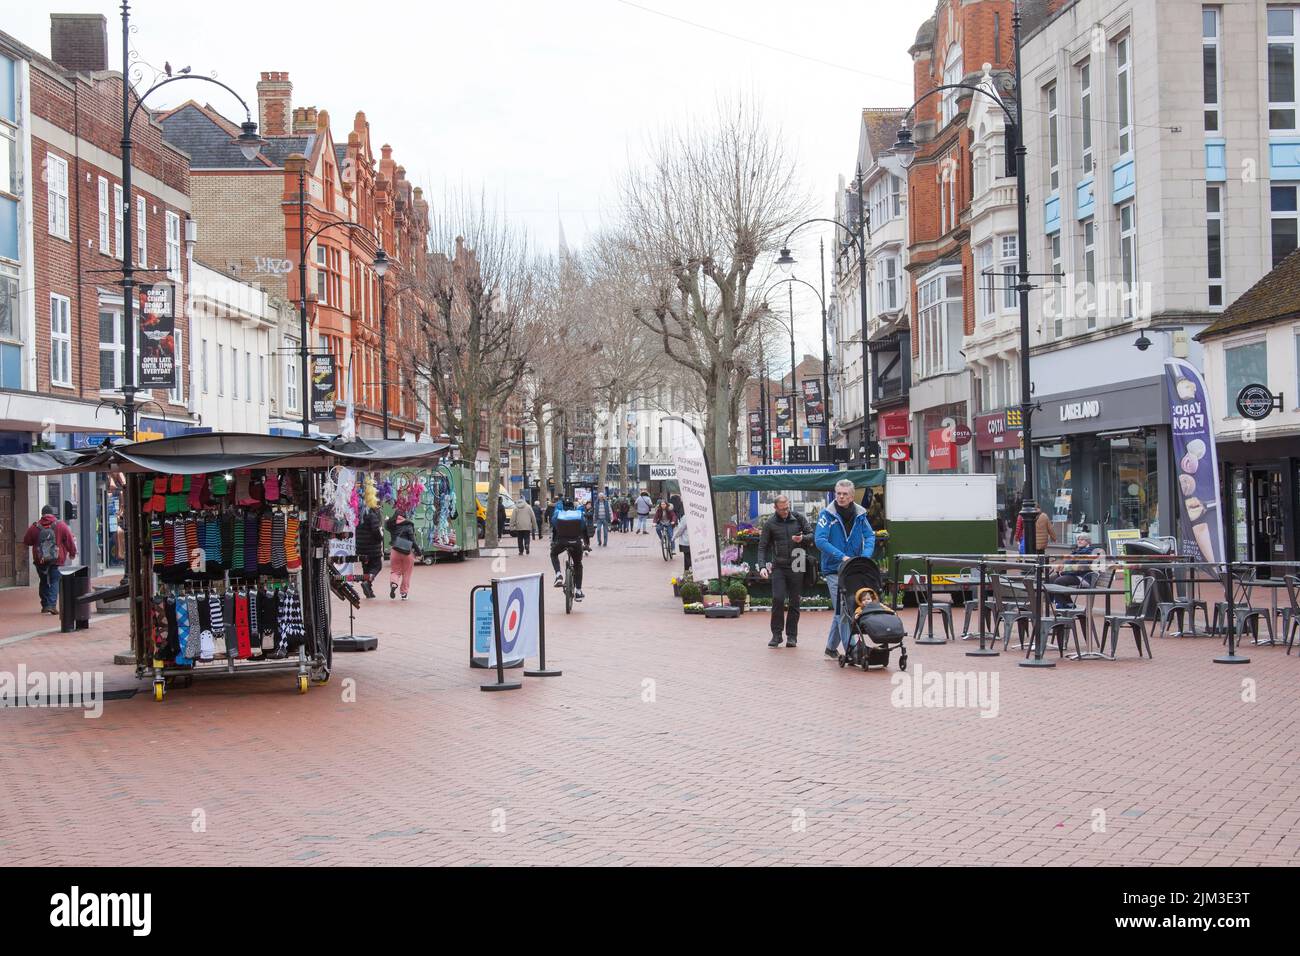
(47, 545)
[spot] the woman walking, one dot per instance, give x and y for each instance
(523, 523)
(370, 548)
(401, 561)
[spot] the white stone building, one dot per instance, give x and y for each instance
(234, 370)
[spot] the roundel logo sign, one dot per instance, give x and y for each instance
(512, 620)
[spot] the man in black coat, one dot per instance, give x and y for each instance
(782, 556)
(369, 544)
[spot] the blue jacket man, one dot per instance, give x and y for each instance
(837, 540)
(843, 531)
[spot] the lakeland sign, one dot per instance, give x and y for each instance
(1073, 411)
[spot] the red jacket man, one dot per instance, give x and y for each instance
(52, 545)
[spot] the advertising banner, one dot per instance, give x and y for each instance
(940, 453)
(518, 606)
(784, 405)
(156, 363)
(694, 482)
(324, 388)
(1200, 515)
(814, 407)
(756, 434)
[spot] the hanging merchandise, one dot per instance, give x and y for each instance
(372, 493)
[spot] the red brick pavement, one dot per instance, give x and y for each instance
(745, 755)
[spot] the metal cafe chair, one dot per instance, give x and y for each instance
(1291, 614)
(1056, 622)
(1137, 620)
(1246, 616)
(926, 610)
(1010, 609)
(987, 612)
(1182, 607)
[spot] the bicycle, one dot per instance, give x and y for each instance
(666, 541)
(569, 587)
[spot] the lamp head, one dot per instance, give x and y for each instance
(904, 149)
(248, 140)
(381, 263)
(785, 261)
(1143, 343)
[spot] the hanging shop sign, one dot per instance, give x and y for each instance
(900, 453)
(1200, 514)
(961, 433)
(1256, 402)
(324, 388)
(814, 406)
(784, 405)
(992, 433)
(894, 424)
(663, 472)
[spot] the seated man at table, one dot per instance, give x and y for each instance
(1078, 570)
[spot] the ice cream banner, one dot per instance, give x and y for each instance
(1199, 513)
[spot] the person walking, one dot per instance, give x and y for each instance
(643, 508)
(682, 538)
(603, 514)
(523, 523)
(52, 547)
(536, 508)
(1043, 532)
(781, 556)
(401, 560)
(843, 532)
(548, 514)
(623, 521)
(369, 546)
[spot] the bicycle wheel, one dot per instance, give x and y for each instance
(665, 546)
(568, 586)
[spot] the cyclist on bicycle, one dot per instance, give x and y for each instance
(569, 533)
(665, 521)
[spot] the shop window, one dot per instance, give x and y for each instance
(1281, 69)
(1243, 365)
(56, 194)
(1210, 66)
(60, 341)
(111, 348)
(1124, 95)
(1282, 202)
(104, 216)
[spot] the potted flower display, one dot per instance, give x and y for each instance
(690, 593)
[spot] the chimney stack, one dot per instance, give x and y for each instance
(274, 104)
(304, 120)
(79, 41)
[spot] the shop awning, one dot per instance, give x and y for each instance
(814, 481)
(381, 454)
(58, 461)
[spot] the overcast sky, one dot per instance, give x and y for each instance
(540, 102)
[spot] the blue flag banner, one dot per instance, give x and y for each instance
(1199, 513)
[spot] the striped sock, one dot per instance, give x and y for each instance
(292, 559)
(158, 544)
(278, 559)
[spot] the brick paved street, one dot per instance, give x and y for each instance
(745, 755)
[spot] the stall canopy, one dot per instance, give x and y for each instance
(215, 451)
(811, 481)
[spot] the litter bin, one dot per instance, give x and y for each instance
(1152, 547)
(74, 582)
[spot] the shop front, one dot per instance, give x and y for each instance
(999, 452)
(1101, 457)
(1261, 498)
(893, 429)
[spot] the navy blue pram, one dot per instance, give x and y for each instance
(876, 630)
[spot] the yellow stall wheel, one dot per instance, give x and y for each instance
(302, 683)
(158, 690)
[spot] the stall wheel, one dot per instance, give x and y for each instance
(321, 676)
(302, 683)
(902, 663)
(843, 660)
(159, 689)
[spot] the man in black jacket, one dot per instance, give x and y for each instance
(370, 548)
(781, 555)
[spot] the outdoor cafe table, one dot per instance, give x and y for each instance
(1090, 631)
(1273, 585)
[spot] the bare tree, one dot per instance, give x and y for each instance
(476, 335)
(713, 198)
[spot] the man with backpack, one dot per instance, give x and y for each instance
(780, 548)
(52, 546)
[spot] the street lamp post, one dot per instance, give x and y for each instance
(859, 236)
(905, 151)
(826, 355)
(821, 298)
(249, 144)
(381, 263)
(297, 163)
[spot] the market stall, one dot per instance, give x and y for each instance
(228, 546)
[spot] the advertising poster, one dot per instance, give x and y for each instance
(814, 406)
(1199, 514)
(156, 360)
(324, 388)
(783, 407)
(518, 604)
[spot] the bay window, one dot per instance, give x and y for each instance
(939, 321)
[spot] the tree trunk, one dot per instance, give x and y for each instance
(622, 466)
(604, 451)
(557, 453)
(491, 533)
